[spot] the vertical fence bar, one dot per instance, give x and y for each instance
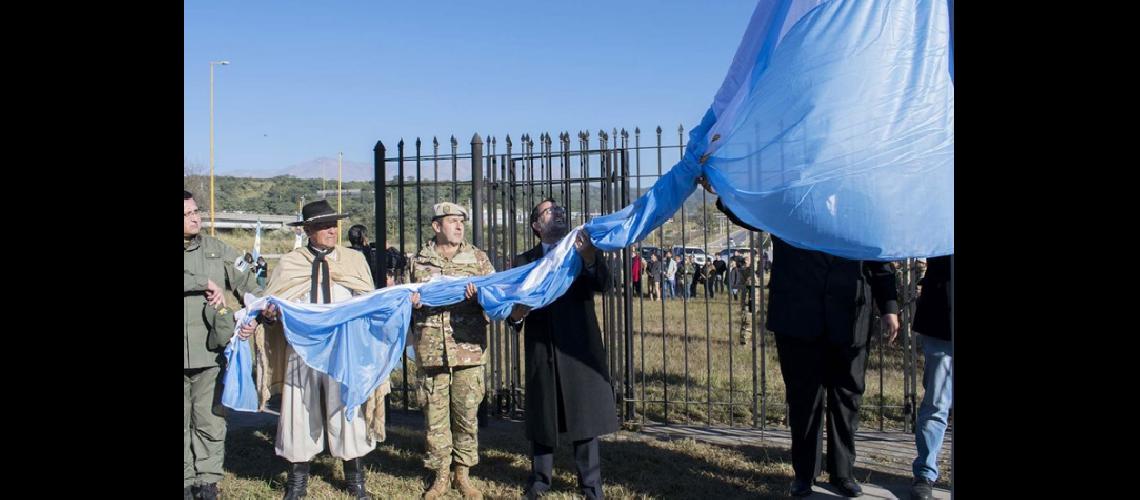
(419, 198)
(877, 331)
(616, 303)
(516, 356)
(708, 299)
(549, 166)
(728, 293)
(485, 407)
(454, 170)
(527, 164)
(690, 288)
(508, 257)
(911, 367)
(403, 250)
(435, 163)
(380, 208)
(508, 163)
(607, 328)
(492, 385)
(380, 195)
(488, 195)
(626, 271)
(564, 149)
(661, 297)
(584, 146)
(477, 219)
(902, 288)
(637, 255)
(757, 331)
(477, 189)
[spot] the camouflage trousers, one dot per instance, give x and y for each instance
(450, 398)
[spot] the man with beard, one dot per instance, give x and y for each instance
(569, 397)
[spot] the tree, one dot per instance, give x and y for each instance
(195, 179)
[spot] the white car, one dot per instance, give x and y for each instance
(698, 253)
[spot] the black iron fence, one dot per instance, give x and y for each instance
(656, 331)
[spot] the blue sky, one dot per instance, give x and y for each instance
(309, 79)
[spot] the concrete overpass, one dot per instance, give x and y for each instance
(244, 220)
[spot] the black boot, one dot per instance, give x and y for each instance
(297, 484)
(208, 491)
(354, 476)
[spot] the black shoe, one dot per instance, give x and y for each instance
(591, 492)
(297, 484)
(801, 488)
(207, 491)
(354, 476)
(922, 489)
(846, 486)
(188, 493)
(531, 493)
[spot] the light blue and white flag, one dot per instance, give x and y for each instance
(834, 129)
(257, 241)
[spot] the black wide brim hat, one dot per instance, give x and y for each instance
(316, 213)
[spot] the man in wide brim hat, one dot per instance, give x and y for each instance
(313, 417)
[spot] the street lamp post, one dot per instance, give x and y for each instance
(212, 64)
(339, 177)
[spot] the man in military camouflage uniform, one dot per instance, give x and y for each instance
(449, 345)
(210, 271)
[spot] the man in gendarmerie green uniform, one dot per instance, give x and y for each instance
(214, 278)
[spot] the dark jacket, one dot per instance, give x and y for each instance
(563, 346)
(735, 278)
(370, 256)
(933, 314)
(815, 294)
(655, 270)
(720, 266)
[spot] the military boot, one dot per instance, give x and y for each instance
(440, 487)
(463, 482)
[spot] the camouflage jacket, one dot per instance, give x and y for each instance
(454, 335)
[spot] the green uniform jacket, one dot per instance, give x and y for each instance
(207, 258)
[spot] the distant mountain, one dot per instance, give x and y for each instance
(313, 169)
(357, 171)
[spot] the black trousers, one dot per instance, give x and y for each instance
(812, 370)
(586, 459)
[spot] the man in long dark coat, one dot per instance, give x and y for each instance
(569, 398)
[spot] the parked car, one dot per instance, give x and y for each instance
(698, 253)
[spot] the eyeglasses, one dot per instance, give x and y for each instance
(552, 210)
(191, 214)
